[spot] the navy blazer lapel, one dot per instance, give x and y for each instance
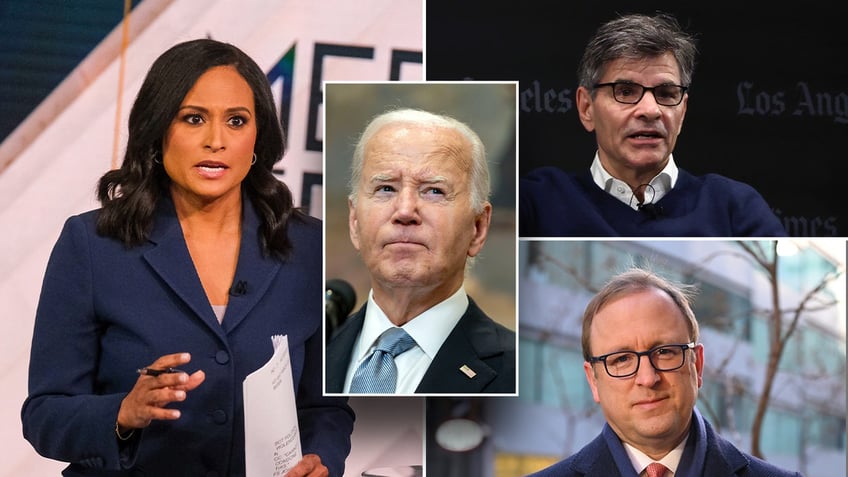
(472, 340)
(254, 272)
(171, 260)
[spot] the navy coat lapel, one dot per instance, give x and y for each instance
(596, 460)
(722, 457)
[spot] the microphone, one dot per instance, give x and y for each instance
(339, 300)
(239, 288)
(653, 210)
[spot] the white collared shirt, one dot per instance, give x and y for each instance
(429, 330)
(661, 183)
(671, 460)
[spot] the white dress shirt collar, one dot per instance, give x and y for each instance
(661, 183)
(671, 460)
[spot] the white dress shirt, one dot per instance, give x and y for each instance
(660, 184)
(671, 460)
(429, 330)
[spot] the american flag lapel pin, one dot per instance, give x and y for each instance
(467, 371)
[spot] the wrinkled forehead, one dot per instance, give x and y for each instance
(419, 143)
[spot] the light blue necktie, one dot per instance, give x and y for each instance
(378, 373)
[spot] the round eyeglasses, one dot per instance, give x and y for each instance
(623, 364)
(632, 93)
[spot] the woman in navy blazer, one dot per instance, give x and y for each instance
(195, 259)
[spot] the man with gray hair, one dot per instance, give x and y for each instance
(633, 88)
(419, 212)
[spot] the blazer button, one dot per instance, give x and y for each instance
(222, 357)
(219, 416)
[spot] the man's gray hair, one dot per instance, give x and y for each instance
(637, 37)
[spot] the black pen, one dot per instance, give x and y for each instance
(157, 372)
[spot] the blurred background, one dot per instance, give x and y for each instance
(489, 108)
(554, 416)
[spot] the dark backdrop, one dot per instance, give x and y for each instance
(41, 42)
(768, 104)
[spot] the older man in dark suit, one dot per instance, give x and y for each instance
(419, 211)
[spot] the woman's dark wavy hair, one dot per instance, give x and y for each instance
(129, 195)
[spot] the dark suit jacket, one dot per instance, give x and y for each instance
(477, 341)
(723, 459)
(106, 310)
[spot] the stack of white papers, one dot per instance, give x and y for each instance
(271, 434)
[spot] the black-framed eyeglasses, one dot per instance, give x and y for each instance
(622, 364)
(631, 93)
